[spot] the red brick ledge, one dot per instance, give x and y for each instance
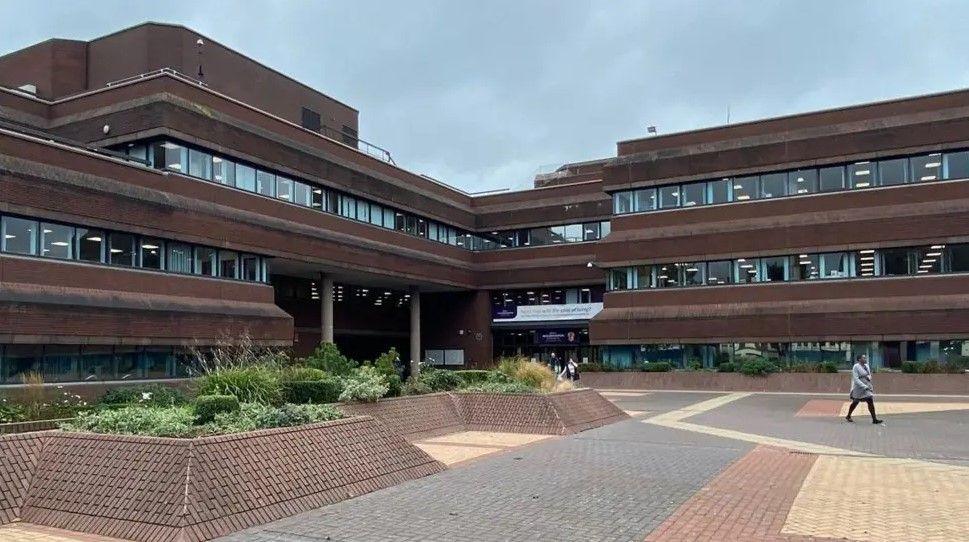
(887, 383)
(154, 489)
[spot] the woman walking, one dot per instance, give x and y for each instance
(861, 388)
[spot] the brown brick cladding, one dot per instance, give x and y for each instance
(585, 409)
(413, 417)
(553, 414)
(158, 489)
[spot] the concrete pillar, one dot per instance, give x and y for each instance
(326, 308)
(415, 332)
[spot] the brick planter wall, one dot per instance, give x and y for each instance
(161, 489)
(414, 417)
(889, 383)
(554, 414)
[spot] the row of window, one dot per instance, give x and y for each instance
(547, 296)
(828, 265)
(889, 354)
(857, 175)
(205, 165)
(91, 363)
(31, 237)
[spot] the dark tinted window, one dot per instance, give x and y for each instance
(310, 119)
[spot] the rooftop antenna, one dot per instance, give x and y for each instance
(198, 44)
(728, 113)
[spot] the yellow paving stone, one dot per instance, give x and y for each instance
(897, 407)
(488, 438)
(623, 393)
(637, 413)
(698, 408)
(796, 445)
(882, 499)
(450, 454)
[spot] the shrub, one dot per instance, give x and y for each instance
(155, 421)
(509, 366)
(415, 386)
(535, 375)
(327, 357)
(366, 384)
(828, 367)
(726, 367)
(498, 377)
(500, 387)
(327, 390)
(146, 394)
(252, 384)
(757, 367)
(254, 416)
(472, 376)
(657, 367)
(591, 368)
(386, 364)
(301, 374)
(695, 364)
(207, 406)
(10, 412)
(932, 367)
(804, 368)
(911, 367)
(440, 379)
(237, 352)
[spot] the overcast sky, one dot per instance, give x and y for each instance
(483, 95)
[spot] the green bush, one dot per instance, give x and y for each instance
(366, 384)
(726, 367)
(591, 368)
(911, 367)
(10, 412)
(415, 386)
(301, 374)
(497, 377)
(386, 364)
(146, 394)
(804, 368)
(327, 390)
(509, 366)
(472, 376)
(657, 367)
(207, 406)
(757, 367)
(695, 364)
(932, 367)
(500, 387)
(327, 358)
(828, 367)
(253, 416)
(535, 375)
(440, 379)
(154, 421)
(252, 384)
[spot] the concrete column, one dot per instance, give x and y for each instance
(415, 332)
(326, 308)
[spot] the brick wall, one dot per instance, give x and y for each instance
(18, 461)
(413, 417)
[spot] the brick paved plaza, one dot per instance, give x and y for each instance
(688, 466)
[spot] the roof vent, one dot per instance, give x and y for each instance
(29, 87)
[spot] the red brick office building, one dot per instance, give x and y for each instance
(160, 192)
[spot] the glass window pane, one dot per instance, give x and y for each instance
(332, 202)
(284, 188)
(245, 178)
(97, 363)
(228, 264)
(720, 272)
(774, 269)
(573, 233)
(805, 267)
(19, 235)
(410, 224)
(927, 168)
(802, 181)
(618, 278)
(20, 359)
(691, 274)
(301, 194)
(223, 171)
(929, 260)
(376, 214)
(348, 207)
(669, 197)
(956, 165)
(89, 243)
(719, 191)
(862, 174)
(421, 227)
(152, 252)
(121, 249)
(622, 203)
(958, 257)
(170, 156)
(57, 241)
(667, 276)
(250, 267)
(590, 231)
(745, 188)
(834, 265)
(644, 277)
(390, 220)
(645, 200)
(694, 194)
(745, 270)
(205, 261)
(832, 179)
(773, 185)
(868, 266)
(265, 183)
(179, 258)
(199, 164)
(892, 172)
(60, 363)
(363, 211)
(317, 199)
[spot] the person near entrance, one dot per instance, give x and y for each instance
(570, 371)
(861, 388)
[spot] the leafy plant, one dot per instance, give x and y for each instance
(415, 386)
(136, 420)
(509, 366)
(757, 367)
(828, 367)
(472, 376)
(253, 416)
(238, 352)
(591, 367)
(500, 387)
(327, 390)
(207, 406)
(726, 367)
(301, 374)
(535, 375)
(657, 367)
(386, 364)
(694, 364)
(327, 357)
(440, 379)
(145, 394)
(10, 412)
(250, 384)
(366, 384)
